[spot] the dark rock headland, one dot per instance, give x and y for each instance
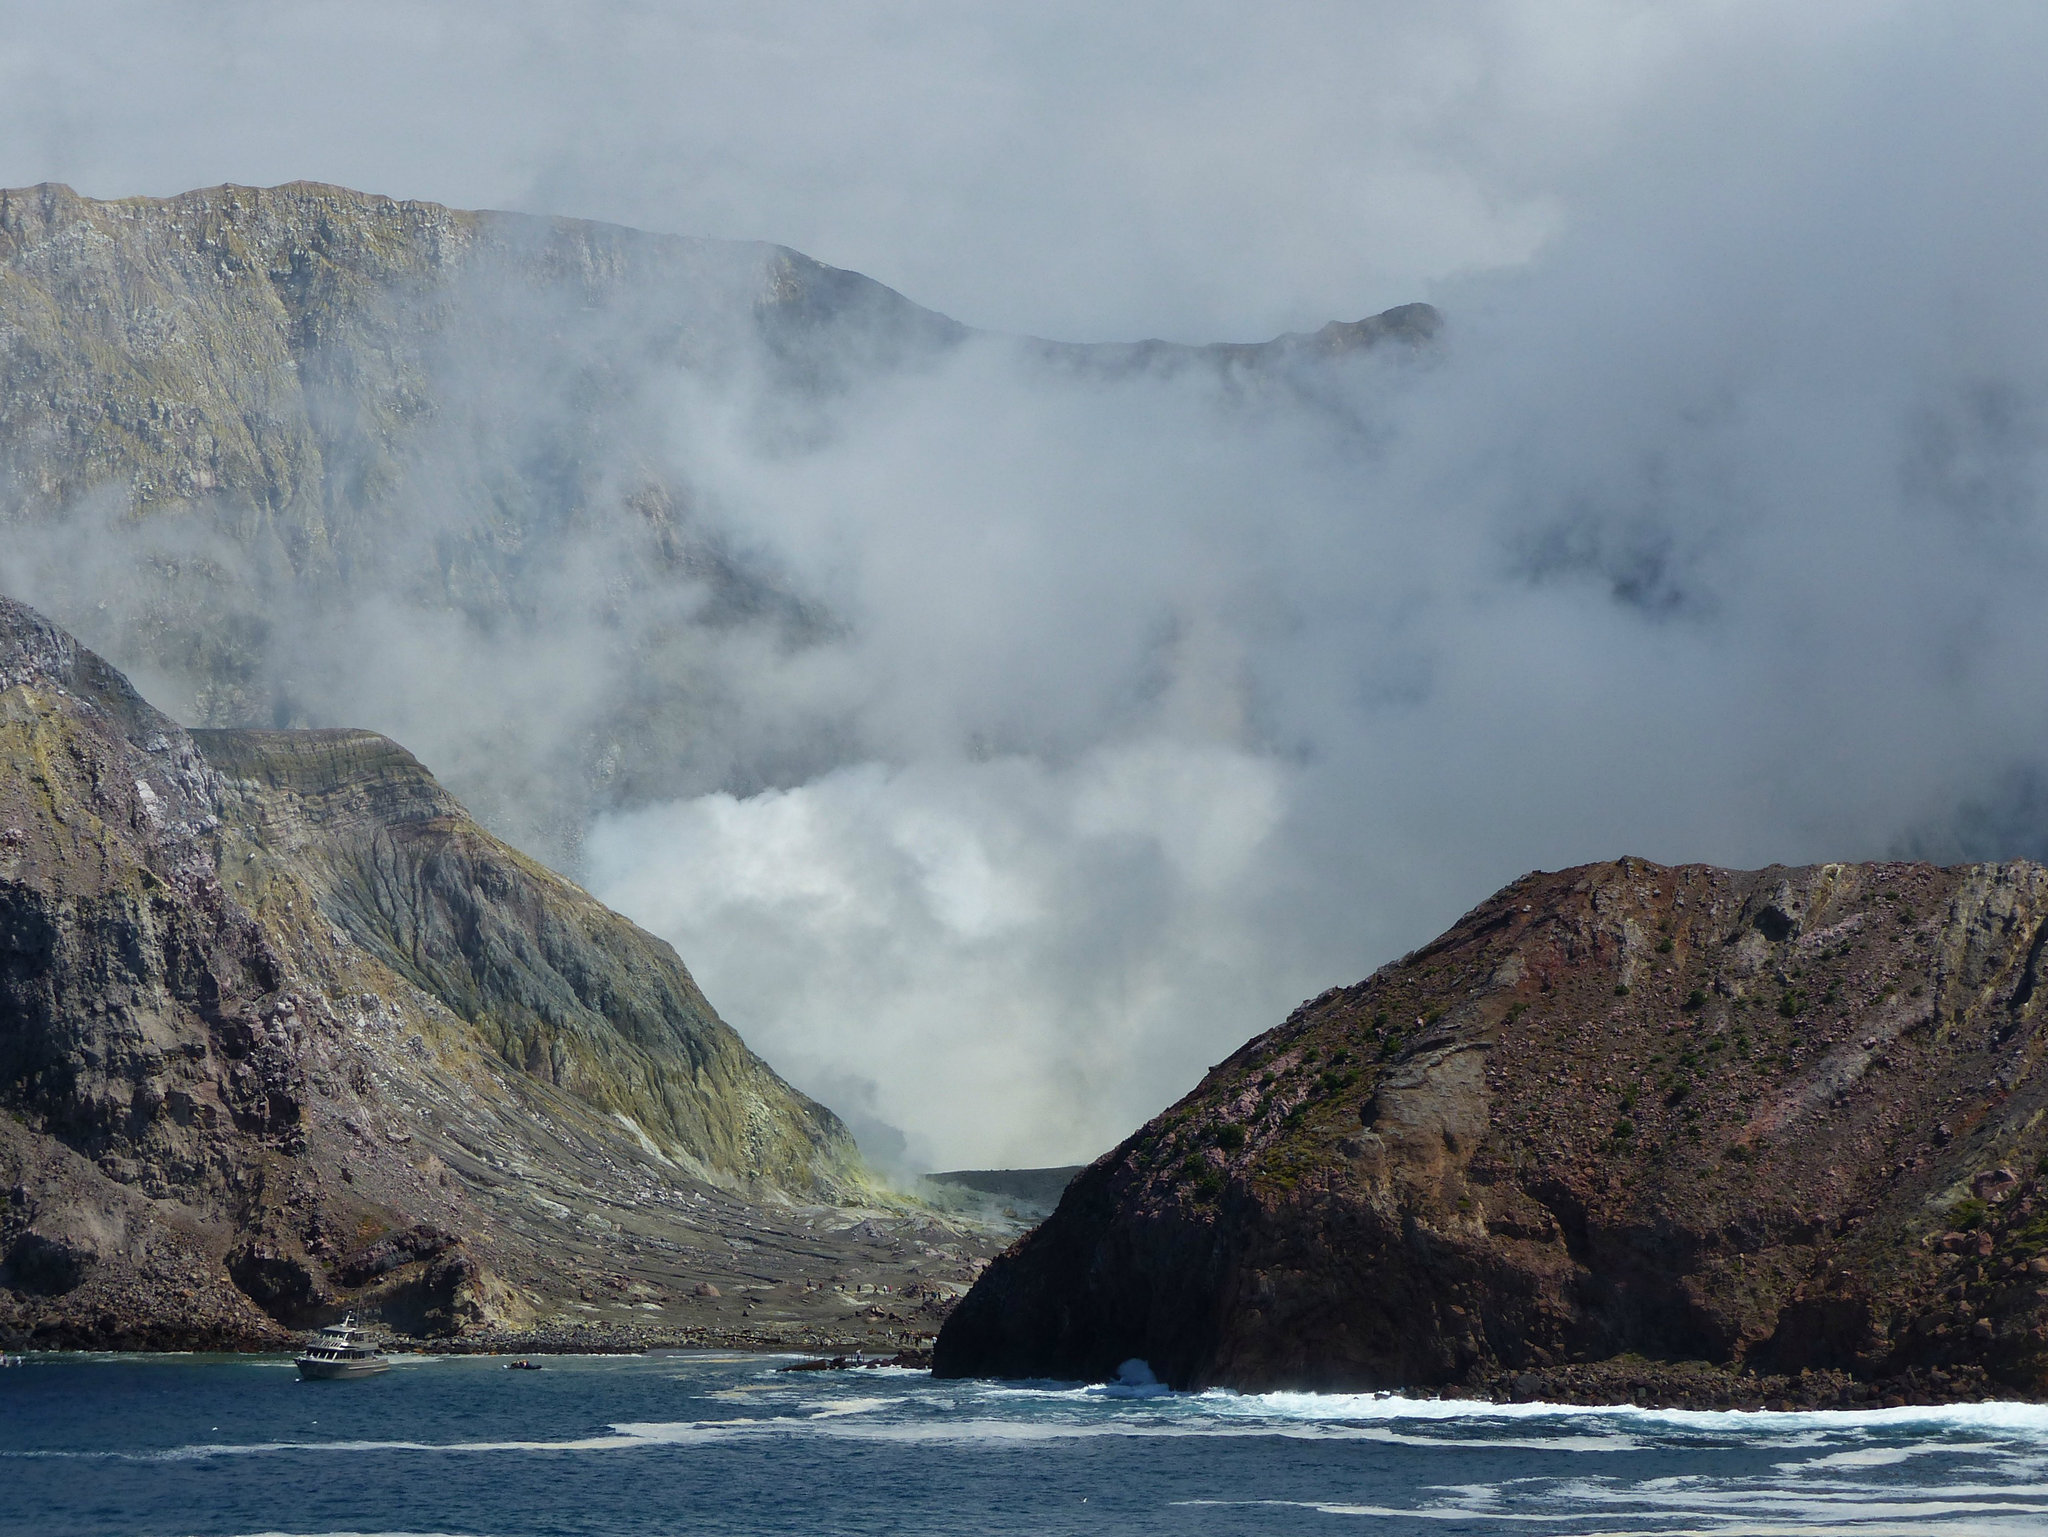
(1676, 1135)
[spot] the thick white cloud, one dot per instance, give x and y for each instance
(1199, 171)
(1005, 957)
(1712, 533)
(1714, 529)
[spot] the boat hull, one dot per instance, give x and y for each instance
(327, 1371)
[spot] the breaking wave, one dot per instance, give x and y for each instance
(1177, 1462)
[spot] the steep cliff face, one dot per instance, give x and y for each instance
(281, 1030)
(305, 456)
(552, 980)
(285, 347)
(232, 419)
(135, 1049)
(1684, 1134)
(290, 350)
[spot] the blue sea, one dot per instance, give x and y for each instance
(706, 1443)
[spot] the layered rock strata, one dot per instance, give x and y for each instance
(282, 1031)
(1678, 1134)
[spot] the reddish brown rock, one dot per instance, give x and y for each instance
(1619, 1113)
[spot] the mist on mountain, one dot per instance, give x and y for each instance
(1003, 741)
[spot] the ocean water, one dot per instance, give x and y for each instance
(705, 1443)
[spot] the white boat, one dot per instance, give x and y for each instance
(341, 1350)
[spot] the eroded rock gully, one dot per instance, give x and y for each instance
(282, 1030)
(1681, 1135)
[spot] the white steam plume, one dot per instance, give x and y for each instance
(1714, 533)
(1128, 711)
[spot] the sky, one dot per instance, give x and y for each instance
(1196, 171)
(1711, 528)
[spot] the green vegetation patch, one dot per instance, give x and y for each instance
(2030, 1238)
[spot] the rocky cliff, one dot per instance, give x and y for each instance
(1682, 1134)
(282, 1030)
(551, 980)
(231, 420)
(305, 456)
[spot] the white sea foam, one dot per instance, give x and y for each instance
(1997, 1416)
(1137, 1410)
(2004, 1428)
(623, 1438)
(1893, 1525)
(910, 1409)
(1975, 1470)
(1134, 1379)
(825, 1409)
(1391, 1512)
(1886, 1456)
(1815, 1496)
(1768, 1512)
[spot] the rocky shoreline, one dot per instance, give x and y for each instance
(155, 1335)
(896, 1349)
(1622, 1382)
(1788, 1124)
(1701, 1385)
